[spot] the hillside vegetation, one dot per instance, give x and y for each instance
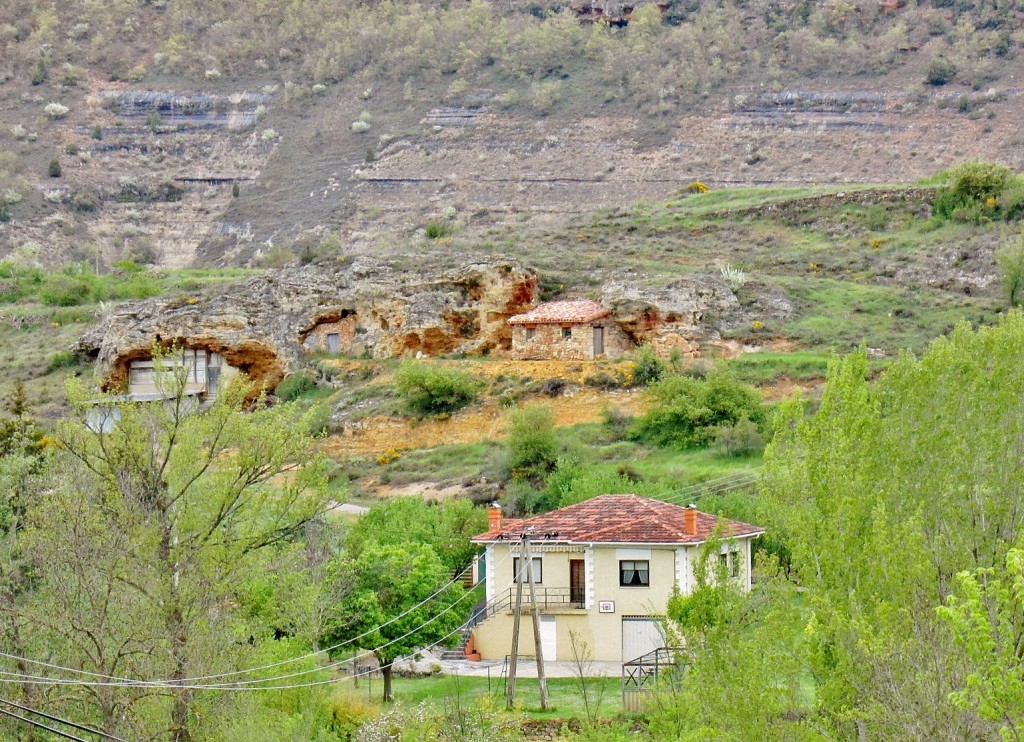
(656, 61)
(230, 135)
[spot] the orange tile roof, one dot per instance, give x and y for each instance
(620, 519)
(571, 311)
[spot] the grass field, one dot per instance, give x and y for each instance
(443, 692)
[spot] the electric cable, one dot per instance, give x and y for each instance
(40, 725)
(136, 681)
(80, 727)
(235, 685)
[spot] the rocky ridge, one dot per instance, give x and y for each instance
(266, 325)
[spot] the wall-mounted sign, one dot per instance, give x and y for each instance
(606, 606)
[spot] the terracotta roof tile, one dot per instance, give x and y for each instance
(559, 312)
(623, 519)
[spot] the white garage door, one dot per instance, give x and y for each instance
(640, 635)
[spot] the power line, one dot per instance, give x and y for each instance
(41, 680)
(40, 725)
(179, 683)
(73, 724)
(232, 686)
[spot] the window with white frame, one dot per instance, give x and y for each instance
(634, 573)
(538, 571)
(730, 561)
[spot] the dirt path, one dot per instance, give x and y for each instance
(375, 435)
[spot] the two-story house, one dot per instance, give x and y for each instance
(604, 570)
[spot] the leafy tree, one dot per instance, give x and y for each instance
(743, 661)
(532, 443)
(53, 169)
(446, 526)
(687, 412)
(144, 535)
(1010, 260)
(429, 389)
(388, 580)
(986, 614)
(884, 496)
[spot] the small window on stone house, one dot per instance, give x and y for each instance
(566, 333)
(530, 332)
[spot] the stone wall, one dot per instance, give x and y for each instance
(345, 327)
(548, 342)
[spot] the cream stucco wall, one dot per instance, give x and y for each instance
(670, 565)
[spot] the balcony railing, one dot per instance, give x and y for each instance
(546, 597)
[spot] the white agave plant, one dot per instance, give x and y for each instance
(734, 277)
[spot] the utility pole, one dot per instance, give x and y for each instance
(517, 612)
(538, 651)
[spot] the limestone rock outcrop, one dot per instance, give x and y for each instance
(266, 324)
(688, 312)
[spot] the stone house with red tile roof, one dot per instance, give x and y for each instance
(604, 570)
(570, 330)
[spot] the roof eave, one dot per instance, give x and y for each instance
(569, 542)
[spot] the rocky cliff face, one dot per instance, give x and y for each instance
(690, 312)
(265, 325)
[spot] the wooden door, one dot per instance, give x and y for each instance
(577, 582)
(598, 341)
(212, 380)
(333, 342)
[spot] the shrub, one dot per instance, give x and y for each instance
(649, 368)
(606, 381)
(697, 187)
(53, 170)
(427, 389)
(56, 110)
(742, 438)
(940, 71)
(85, 200)
(39, 72)
(294, 386)
(97, 132)
(350, 711)
(437, 230)
(67, 291)
(975, 193)
(234, 190)
(532, 443)
(978, 180)
(734, 277)
(62, 359)
(687, 412)
(1010, 260)
(136, 287)
(616, 421)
